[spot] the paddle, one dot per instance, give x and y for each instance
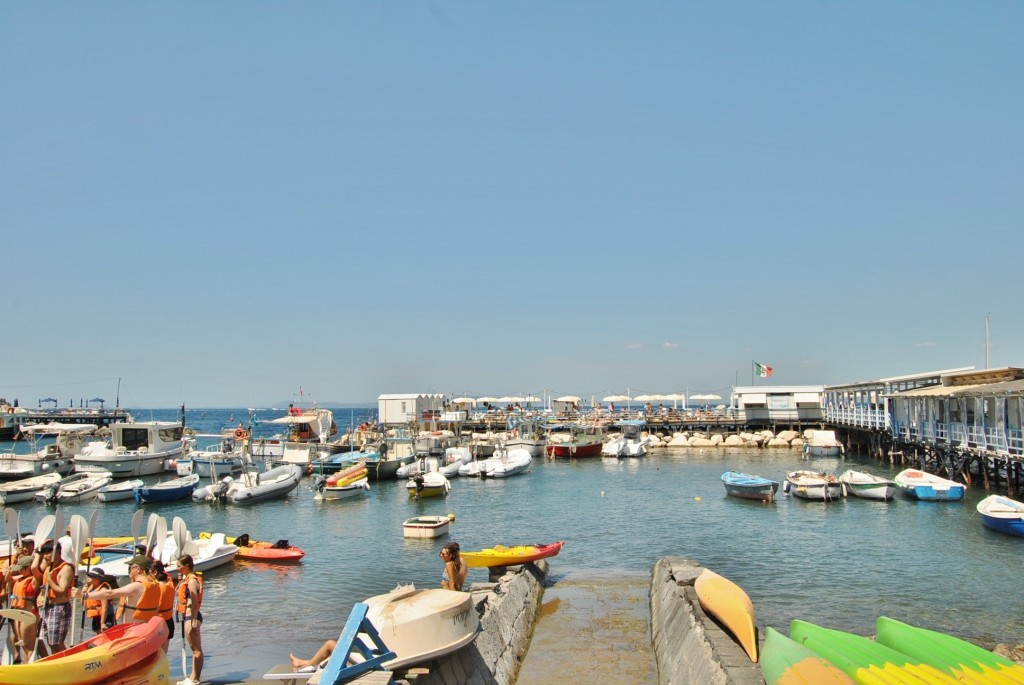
(136, 526)
(180, 532)
(11, 526)
(88, 562)
(58, 526)
(151, 533)
(79, 538)
(161, 537)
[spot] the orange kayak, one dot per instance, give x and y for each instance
(254, 550)
(96, 660)
(726, 601)
(347, 476)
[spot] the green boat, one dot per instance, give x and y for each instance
(867, 661)
(949, 654)
(786, 662)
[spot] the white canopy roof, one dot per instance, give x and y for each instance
(55, 428)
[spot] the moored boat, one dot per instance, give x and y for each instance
(25, 489)
(745, 486)
(348, 490)
(119, 490)
(136, 449)
(573, 441)
(257, 550)
(207, 553)
(1002, 514)
(922, 485)
(821, 443)
(730, 604)
(168, 490)
(500, 555)
(252, 487)
(74, 489)
(425, 526)
(422, 625)
(430, 484)
(56, 457)
(867, 485)
(814, 485)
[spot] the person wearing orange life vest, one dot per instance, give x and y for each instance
(100, 611)
(59, 581)
(167, 593)
(136, 605)
(190, 602)
(23, 588)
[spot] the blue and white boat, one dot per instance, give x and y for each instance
(1002, 514)
(168, 490)
(926, 486)
(746, 486)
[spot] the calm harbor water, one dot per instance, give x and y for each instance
(840, 564)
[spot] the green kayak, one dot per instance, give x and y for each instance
(785, 662)
(949, 654)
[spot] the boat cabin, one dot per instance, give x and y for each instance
(146, 436)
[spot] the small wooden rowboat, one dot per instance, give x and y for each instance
(255, 550)
(785, 662)
(510, 556)
(425, 527)
(727, 602)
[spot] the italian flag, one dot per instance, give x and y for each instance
(762, 370)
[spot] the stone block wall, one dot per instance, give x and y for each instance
(689, 646)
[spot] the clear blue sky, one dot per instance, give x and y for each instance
(220, 202)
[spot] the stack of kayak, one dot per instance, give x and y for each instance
(900, 653)
(130, 653)
(346, 483)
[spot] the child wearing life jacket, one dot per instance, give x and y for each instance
(101, 612)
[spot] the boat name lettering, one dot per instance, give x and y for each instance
(93, 665)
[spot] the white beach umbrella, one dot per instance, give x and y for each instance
(463, 400)
(648, 398)
(616, 398)
(531, 398)
(487, 399)
(510, 399)
(568, 398)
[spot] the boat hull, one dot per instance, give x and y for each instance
(1002, 515)
(169, 491)
(730, 604)
(510, 556)
(24, 490)
(749, 487)
(921, 485)
(784, 661)
(119, 491)
(422, 625)
(358, 488)
(425, 527)
(573, 451)
(128, 465)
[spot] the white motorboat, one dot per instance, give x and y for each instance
(334, 492)
(307, 425)
(422, 625)
(56, 457)
(124, 489)
(868, 485)
(527, 435)
(219, 457)
(207, 553)
(504, 463)
(25, 489)
(252, 486)
(822, 444)
(425, 526)
(430, 484)
(75, 489)
(135, 449)
(629, 442)
(454, 458)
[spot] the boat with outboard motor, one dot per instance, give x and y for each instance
(75, 489)
(252, 486)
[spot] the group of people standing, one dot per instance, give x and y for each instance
(42, 583)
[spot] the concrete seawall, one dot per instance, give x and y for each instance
(689, 646)
(508, 609)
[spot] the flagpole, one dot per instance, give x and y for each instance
(751, 371)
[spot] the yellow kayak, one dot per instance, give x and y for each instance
(98, 660)
(152, 671)
(510, 556)
(726, 601)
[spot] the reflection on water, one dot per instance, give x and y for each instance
(840, 564)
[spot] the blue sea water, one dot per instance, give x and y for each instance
(840, 564)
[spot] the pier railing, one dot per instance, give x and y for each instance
(970, 436)
(858, 417)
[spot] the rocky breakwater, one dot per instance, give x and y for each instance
(508, 607)
(764, 438)
(689, 646)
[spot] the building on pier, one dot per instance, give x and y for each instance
(759, 406)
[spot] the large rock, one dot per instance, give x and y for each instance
(717, 439)
(777, 442)
(735, 441)
(701, 442)
(788, 436)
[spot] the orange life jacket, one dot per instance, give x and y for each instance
(167, 599)
(50, 576)
(24, 593)
(148, 605)
(94, 606)
(197, 602)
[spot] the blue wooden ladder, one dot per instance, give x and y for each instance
(338, 669)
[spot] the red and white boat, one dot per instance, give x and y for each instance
(572, 441)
